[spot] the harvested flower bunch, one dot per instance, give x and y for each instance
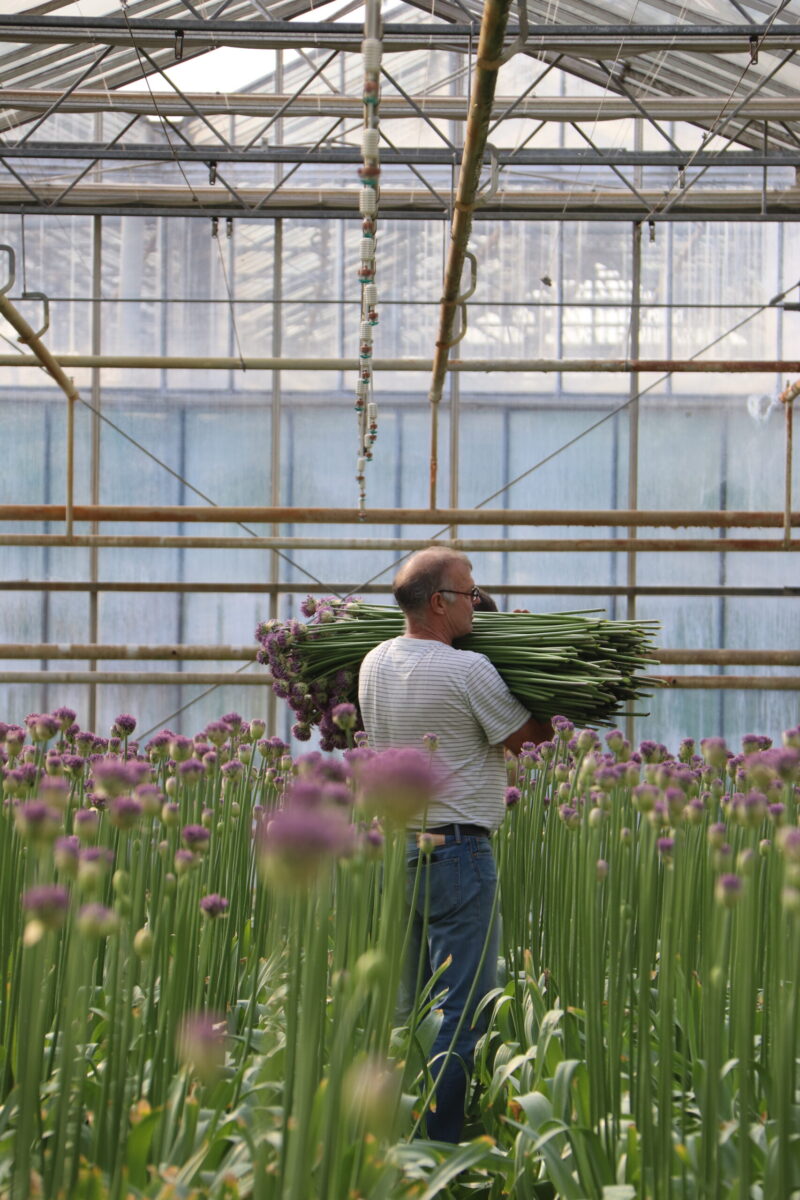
(581, 665)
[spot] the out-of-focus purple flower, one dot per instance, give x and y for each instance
(233, 721)
(301, 730)
(125, 812)
(615, 740)
(64, 717)
(666, 847)
(195, 837)
(150, 797)
(95, 920)
(728, 890)
(233, 770)
(791, 738)
(94, 863)
(345, 716)
(512, 797)
(214, 905)
(714, 751)
(185, 861)
(37, 822)
(563, 727)
(299, 841)
(44, 728)
(171, 814)
(86, 822)
(190, 771)
(65, 855)
(569, 815)
(753, 742)
(180, 747)
(776, 812)
(15, 738)
(396, 784)
(46, 905)
(789, 842)
(686, 750)
(201, 1045)
(84, 742)
(112, 777)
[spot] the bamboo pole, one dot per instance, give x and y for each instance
(787, 398)
(274, 515)
(187, 652)
(490, 47)
(405, 545)
(476, 366)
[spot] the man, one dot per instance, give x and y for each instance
(420, 684)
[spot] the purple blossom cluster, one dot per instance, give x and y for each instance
(326, 702)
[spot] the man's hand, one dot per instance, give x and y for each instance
(531, 731)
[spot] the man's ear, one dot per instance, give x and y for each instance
(437, 603)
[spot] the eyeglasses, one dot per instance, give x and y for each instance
(473, 593)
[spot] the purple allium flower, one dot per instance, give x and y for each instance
(125, 812)
(86, 823)
(214, 905)
(789, 840)
(95, 920)
(37, 822)
(569, 815)
(397, 784)
(776, 812)
(601, 870)
(84, 743)
(345, 716)
(233, 770)
(512, 796)
(615, 740)
(298, 842)
(180, 747)
(563, 727)
(124, 725)
(15, 737)
(429, 740)
(233, 721)
(301, 730)
(201, 1045)
(728, 889)
(65, 855)
(791, 738)
(185, 861)
(191, 771)
(64, 717)
(195, 837)
(665, 846)
(47, 904)
(171, 814)
(44, 728)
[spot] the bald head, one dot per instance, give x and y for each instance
(426, 572)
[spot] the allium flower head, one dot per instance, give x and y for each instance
(45, 908)
(86, 823)
(64, 717)
(180, 747)
(125, 812)
(512, 797)
(65, 855)
(37, 822)
(728, 890)
(298, 843)
(123, 726)
(714, 751)
(95, 920)
(195, 837)
(666, 847)
(345, 716)
(396, 784)
(44, 728)
(214, 905)
(54, 790)
(233, 721)
(185, 861)
(201, 1045)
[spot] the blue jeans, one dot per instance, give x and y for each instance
(460, 878)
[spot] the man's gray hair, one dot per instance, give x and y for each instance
(425, 573)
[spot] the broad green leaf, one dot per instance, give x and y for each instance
(473, 1154)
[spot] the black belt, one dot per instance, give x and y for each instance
(465, 830)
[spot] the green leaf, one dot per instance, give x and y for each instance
(537, 1108)
(138, 1147)
(473, 1154)
(562, 1088)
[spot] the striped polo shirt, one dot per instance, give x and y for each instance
(409, 687)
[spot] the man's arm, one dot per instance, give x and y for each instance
(531, 731)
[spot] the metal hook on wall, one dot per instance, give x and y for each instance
(12, 269)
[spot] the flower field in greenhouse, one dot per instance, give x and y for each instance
(202, 941)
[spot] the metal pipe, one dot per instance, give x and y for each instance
(731, 683)
(43, 358)
(764, 683)
(535, 108)
(176, 652)
(364, 589)
(540, 545)
(135, 678)
(475, 366)
(283, 514)
(787, 398)
(633, 424)
(488, 62)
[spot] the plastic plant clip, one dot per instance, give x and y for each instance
(367, 202)
(370, 143)
(372, 52)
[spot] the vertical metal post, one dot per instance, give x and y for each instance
(94, 553)
(633, 425)
(70, 500)
(787, 517)
(275, 433)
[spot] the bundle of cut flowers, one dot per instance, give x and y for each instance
(578, 664)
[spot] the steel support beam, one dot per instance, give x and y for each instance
(535, 108)
(592, 41)
(281, 515)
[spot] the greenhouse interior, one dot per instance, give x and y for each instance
(290, 291)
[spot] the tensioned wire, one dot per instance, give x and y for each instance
(535, 467)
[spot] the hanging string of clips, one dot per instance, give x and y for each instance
(370, 172)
